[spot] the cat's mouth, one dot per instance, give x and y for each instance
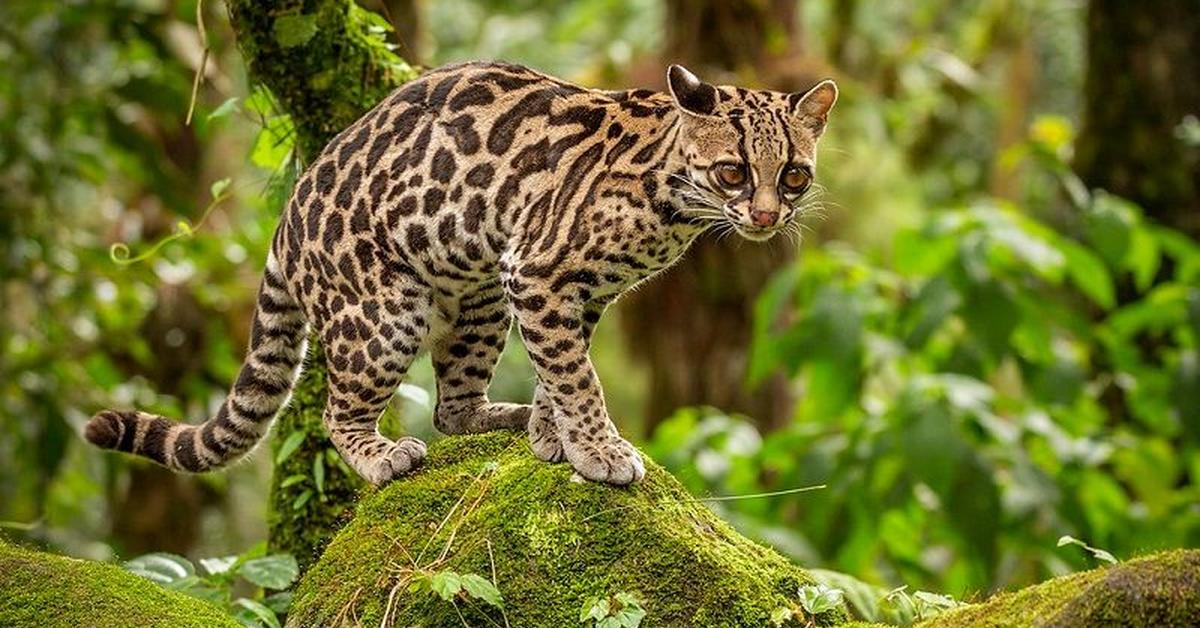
(756, 234)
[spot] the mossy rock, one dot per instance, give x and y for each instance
(44, 590)
(484, 505)
(1156, 590)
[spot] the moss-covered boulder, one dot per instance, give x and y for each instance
(48, 591)
(1156, 590)
(484, 505)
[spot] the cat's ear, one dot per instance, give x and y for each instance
(690, 93)
(813, 106)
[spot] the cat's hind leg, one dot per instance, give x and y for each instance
(369, 347)
(464, 360)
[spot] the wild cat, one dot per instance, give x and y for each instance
(478, 194)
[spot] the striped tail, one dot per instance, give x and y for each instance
(277, 340)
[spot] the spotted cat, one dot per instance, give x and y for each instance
(474, 195)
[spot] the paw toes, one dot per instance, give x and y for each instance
(401, 458)
(617, 463)
(546, 447)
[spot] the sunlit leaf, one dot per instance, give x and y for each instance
(277, 571)
(161, 567)
(295, 29)
(446, 584)
(258, 611)
(482, 589)
(223, 109)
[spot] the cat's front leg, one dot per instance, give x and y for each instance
(556, 326)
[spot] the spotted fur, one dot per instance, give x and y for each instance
(479, 194)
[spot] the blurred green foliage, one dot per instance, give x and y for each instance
(973, 398)
(94, 151)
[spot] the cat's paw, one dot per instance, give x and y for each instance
(545, 443)
(399, 459)
(612, 461)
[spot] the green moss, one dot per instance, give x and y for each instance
(555, 544)
(326, 80)
(38, 589)
(1157, 590)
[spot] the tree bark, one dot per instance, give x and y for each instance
(325, 69)
(691, 326)
(1141, 83)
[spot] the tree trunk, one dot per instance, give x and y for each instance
(1141, 84)
(691, 326)
(325, 69)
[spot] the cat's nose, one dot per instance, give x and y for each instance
(763, 218)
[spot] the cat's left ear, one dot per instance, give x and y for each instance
(690, 93)
(813, 106)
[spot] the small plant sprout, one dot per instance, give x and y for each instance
(921, 604)
(818, 598)
(1094, 551)
(616, 611)
(452, 586)
(814, 599)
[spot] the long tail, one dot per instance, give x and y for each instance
(277, 339)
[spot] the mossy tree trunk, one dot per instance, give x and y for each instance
(325, 69)
(691, 326)
(1140, 86)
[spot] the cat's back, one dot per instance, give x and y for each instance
(439, 174)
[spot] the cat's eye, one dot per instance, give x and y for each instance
(795, 179)
(729, 175)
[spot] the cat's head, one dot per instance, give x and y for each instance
(750, 155)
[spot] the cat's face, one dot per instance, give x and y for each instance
(750, 155)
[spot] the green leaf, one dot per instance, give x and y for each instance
(930, 604)
(594, 608)
(258, 611)
(279, 602)
(295, 30)
(274, 143)
(161, 567)
(818, 598)
(218, 187)
(224, 109)
(293, 480)
(1088, 272)
(319, 473)
(781, 615)
(277, 571)
(1094, 551)
(446, 584)
(865, 600)
(632, 617)
(1143, 257)
(302, 499)
(214, 566)
(200, 589)
(289, 447)
(482, 589)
